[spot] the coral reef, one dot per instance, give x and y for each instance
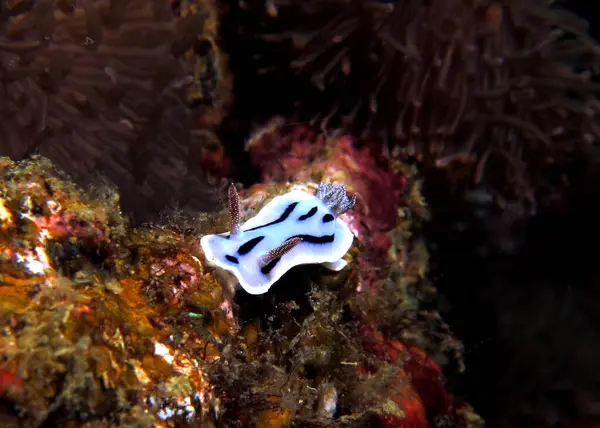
(129, 91)
(104, 322)
(109, 325)
(100, 325)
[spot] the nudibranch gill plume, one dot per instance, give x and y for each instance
(292, 229)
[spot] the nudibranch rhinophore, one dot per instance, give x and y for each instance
(292, 229)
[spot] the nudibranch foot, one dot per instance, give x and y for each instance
(292, 229)
(336, 266)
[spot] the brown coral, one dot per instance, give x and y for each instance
(105, 88)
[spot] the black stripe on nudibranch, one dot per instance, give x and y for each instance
(311, 239)
(281, 218)
(270, 266)
(327, 218)
(232, 259)
(309, 214)
(249, 246)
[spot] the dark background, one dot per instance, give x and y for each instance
(530, 321)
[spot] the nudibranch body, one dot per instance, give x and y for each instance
(292, 229)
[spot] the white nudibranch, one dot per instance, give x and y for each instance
(292, 229)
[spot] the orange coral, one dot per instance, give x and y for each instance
(100, 319)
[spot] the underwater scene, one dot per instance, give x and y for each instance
(299, 213)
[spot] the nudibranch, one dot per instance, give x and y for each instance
(292, 229)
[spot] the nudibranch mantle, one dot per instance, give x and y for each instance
(292, 229)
